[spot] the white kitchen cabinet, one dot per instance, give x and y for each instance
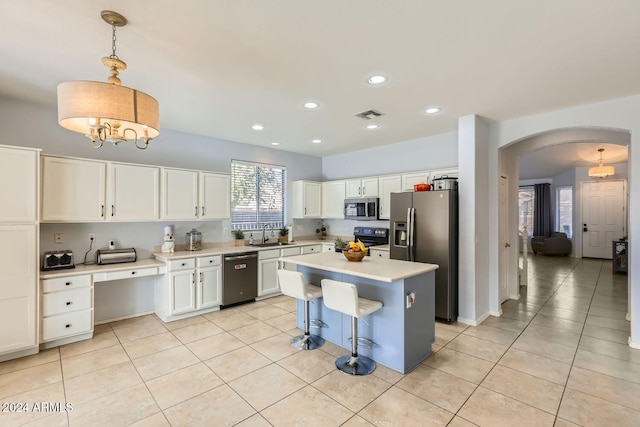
(73, 190)
(306, 199)
(182, 285)
(362, 187)
(67, 310)
(328, 247)
(209, 286)
(333, 195)
(378, 253)
(19, 175)
(311, 249)
(18, 288)
(134, 192)
(268, 265)
(439, 173)
(180, 194)
(411, 179)
(388, 184)
(214, 196)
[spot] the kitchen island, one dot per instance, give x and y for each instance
(402, 331)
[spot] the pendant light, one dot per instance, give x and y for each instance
(108, 111)
(601, 171)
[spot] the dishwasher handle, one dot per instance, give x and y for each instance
(237, 258)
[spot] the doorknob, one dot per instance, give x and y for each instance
(507, 245)
(584, 227)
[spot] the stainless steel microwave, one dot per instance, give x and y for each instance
(361, 209)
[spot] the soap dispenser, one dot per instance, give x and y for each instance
(251, 239)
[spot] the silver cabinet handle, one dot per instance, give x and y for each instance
(113, 209)
(196, 211)
(364, 190)
(203, 211)
(102, 211)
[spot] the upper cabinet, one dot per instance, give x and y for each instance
(73, 189)
(388, 184)
(333, 195)
(180, 194)
(134, 192)
(364, 187)
(307, 199)
(411, 179)
(214, 196)
(191, 195)
(19, 175)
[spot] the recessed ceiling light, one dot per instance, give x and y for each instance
(372, 126)
(310, 105)
(257, 126)
(316, 141)
(433, 110)
(377, 79)
(275, 143)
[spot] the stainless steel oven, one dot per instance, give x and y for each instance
(371, 236)
(361, 209)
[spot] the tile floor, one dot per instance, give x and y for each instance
(558, 356)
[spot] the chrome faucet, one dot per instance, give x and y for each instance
(264, 237)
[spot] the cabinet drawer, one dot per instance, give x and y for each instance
(64, 325)
(209, 261)
(268, 254)
(124, 274)
(65, 283)
(314, 249)
(328, 248)
(65, 302)
(290, 251)
(182, 264)
(379, 254)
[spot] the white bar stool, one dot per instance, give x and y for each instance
(292, 284)
(343, 297)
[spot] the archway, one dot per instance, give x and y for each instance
(509, 154)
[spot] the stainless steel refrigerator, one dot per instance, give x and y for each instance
(424, 228)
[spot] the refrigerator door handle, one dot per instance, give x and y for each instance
(411, 219)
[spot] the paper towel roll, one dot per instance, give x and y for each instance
(290, 228)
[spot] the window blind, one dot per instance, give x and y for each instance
(257, 195)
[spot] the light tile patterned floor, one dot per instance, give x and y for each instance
(558, 356)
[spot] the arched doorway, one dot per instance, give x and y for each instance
(508, 156)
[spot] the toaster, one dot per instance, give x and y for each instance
(57, 260)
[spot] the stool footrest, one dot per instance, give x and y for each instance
(317, 324)
(364, 342)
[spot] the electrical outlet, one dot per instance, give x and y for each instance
(58, 238)
(225, 230)
(92, 236)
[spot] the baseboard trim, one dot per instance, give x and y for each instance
(628, 317)
(472, 322)
(129, 316)
(633, 344)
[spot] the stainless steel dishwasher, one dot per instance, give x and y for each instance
(240, 278)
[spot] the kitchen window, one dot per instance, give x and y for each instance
(257, 195)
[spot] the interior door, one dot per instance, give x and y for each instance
(504, 239)
(603, 217)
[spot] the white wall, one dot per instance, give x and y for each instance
(617, 115)
(433, 152)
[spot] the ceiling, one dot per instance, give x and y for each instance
(218, 66)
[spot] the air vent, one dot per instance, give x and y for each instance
(369, 114)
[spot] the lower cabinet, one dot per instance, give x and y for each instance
(191, 285)
(67, 310)
(268, 265)
(378, 253)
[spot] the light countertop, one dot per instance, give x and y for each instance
(384, 270)
(223, 250)
(380, 247)
(96, 268)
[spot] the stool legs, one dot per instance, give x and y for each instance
(306, 341)
(354, 364)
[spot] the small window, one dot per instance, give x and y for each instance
(564, 210)
(257, 195)
(526, 208)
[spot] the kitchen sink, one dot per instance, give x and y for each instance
(264, 245)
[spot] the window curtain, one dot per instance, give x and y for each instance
(543, 215)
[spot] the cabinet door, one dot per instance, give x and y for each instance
(18, 287)
(388, 185)
(354, 188)
(73, 190)
(209, 287)
(313, 199)
(268, 277)
(180, 194)
(135, 192)
(182, 287)
(19, 192)
(370, 187)
(214, 196)
(411, 179)
(333, 195)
